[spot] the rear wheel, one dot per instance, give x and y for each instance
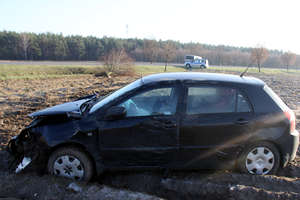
(260, 159)
(72, 163)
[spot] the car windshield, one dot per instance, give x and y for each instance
(116, 94)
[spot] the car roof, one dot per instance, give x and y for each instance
(201, 77)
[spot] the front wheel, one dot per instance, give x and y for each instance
(72, 163)
(188, 66)
(260, 159)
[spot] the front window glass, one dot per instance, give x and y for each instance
(160, 101)
(116, 94)
(208, 99)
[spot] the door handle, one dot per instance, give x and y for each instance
(242, 122)
(170, 125)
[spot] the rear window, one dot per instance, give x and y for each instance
(276, 98)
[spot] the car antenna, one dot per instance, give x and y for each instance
(142, 78)
(244, 72)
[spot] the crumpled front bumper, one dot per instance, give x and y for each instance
(24, 149)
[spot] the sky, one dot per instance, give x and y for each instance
(273, 24)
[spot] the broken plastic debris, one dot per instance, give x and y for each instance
(74, 187)
(14, 137)
(23, 164)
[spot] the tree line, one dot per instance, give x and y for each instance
(49, 46)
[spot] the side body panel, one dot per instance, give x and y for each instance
(210, 140)
(142, 141)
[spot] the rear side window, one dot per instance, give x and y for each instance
(212, 99)
(275, 98)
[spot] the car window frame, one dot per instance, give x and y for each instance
(244, 94)
(98, 110)
(99, 114)
(238, 90)
(145, 88)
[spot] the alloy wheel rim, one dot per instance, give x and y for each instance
(68, 166)
(260, 161)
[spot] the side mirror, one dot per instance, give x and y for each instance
(115, 112)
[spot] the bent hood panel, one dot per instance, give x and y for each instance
(60, 109)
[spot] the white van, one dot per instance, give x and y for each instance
(191, 61)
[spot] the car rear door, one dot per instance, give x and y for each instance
(214, 122)
(148, 134)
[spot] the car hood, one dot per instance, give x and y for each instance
(60, 109)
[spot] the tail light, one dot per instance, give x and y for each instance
(291, 117)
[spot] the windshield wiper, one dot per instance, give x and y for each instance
(85, 106)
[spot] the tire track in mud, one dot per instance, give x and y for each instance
(206, 185)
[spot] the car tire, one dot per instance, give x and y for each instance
(202, 67)
(71, 163)
(188, 66)
(260, 158)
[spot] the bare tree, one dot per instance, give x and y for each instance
(169, 52)
(288, 59)
(118, 62)
(219, 55)
(25, 42)
(259, 56)
(150, 49)
(193, 48)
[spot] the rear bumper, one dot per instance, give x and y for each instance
(289, 147)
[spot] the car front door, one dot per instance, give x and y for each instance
(148, 134)
(215, 121)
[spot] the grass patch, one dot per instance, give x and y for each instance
(44, 71)
(254, 70)
(152, 69)
(49, 71)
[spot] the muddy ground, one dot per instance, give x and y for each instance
(21, 97)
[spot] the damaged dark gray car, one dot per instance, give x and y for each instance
(167, 121)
